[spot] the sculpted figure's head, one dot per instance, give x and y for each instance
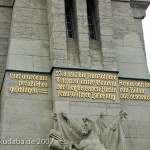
(88, 125)
(54, 116)
(123, 114)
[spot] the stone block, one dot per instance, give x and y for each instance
(29, 47)
(23, 3)
(83, 39)
(108, 65)
(27, 107)
(82, 25)
(142, 113)
(81, 5)
(5, 2)
(20, 62)
(130, 55)
(22, 15)
(44, 124)
(113, 109)
(57, 4)
(40, 32)
(132, 40)
(91, 109)
(38, 4)
(72, 53)
(123, 25)
(41, 64)
(19, 123)
(85, 59)
(109, 55)
(59, 57)
(134, 70)
(139, 129)
(28, 15)
(109, 59)
(2, 63)
(39, 16)
(55, 21)
(61, 106)
(22, 30)
(58, 41)
(4, 30)
(1, 78)
(120, 9)
(5, 15)
(3, 47)
(139, 143)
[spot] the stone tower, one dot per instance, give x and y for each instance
(81, 57)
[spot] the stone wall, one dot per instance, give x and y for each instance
(37, 42)
(25, 116)
(29, 41)
(131, 58)
(5, 21)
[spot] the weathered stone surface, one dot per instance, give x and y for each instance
(29, 36)
(28, 15)
(57, 34)
(29, 47)
(5, 15)
(83, 39)
(1, 79)
(6, 2)
(2, 63)
(130, 54)
(106, 34)
(37, 4)
(72, 53)
(41, 63)
(25, 116)
(38, 41)
(3, 47)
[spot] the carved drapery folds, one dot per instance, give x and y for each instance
(71, 134)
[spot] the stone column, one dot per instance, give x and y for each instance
(106, 35)
(82, 35)
(57, 32)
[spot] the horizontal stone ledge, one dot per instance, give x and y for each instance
(7, 3)
(137, 3)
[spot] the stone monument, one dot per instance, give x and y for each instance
(83, 61)
(90, 135)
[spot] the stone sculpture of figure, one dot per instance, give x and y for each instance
(112, 136)
(92, 135)
(57, 142)
(91, 140)
(70, 130)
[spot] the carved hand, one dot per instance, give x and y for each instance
(54, 116)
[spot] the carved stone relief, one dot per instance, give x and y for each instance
(71, 134)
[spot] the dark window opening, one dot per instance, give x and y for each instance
(69, 22)
(90, 15)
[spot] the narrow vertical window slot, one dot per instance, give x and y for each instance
(90, 15)
(69, 17)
